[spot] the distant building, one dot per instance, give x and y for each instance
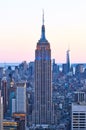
(1, 112)
(12, 91)
(79, 96)
(4, 93)
(21, 97)
(79, 69)
(13, 105)
(64, 68)
(68, 61)
(31, 68)
(43, 82)
(55, 67)
(10, 125)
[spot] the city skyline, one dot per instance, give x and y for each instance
(20, 22)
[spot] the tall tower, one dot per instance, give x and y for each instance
(1, 112)
(43, 80)
(4, 92)
(68, 60)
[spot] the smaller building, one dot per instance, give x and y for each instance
(21, 97)
(79, 69)
(20, 118)
(78, 121)
(79, 96)
(64, 68)
(78, 115)
(10, 125)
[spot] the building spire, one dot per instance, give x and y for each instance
(43, 17)
(43, 37)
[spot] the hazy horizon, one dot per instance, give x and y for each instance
(20, 29)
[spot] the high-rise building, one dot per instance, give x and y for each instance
(1, 112)
(12, 93)
(21, 97)
(64, 68)
(68, 61)
(78, 114)
(43, 81)
(4, 92)
(19, 105)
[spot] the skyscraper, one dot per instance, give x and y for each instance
(4, 92)
(68, 61)
(43, 80)
(1, 112)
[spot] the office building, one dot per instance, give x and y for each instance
(43, 80)
(19, 105)
(10, 125)
(68, 61)
(4, 93)
(79, 96)
(1, 112)
(79, 69)
(78, 114)
(12, 93)
(64, 68)
(21, 97)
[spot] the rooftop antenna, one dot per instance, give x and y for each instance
(43, 17)
(68, 47)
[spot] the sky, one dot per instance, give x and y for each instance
(20, 29)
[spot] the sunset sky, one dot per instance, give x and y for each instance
(20, 29)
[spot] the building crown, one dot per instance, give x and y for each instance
(43, 37)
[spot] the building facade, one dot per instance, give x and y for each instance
(19, 105)
(1, 112)
(4, 93)
(78, 115)
(43, 80)
(21, 97)
(10, 125)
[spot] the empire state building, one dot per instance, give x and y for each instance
(43, 81)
